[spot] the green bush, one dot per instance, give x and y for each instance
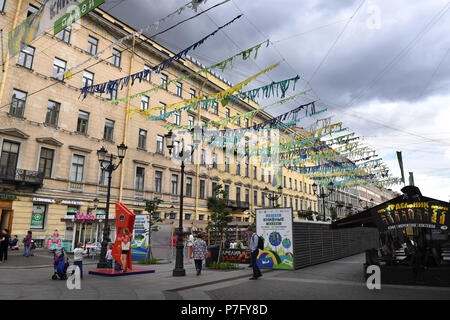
(223, 266)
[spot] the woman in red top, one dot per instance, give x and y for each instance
(126, 244)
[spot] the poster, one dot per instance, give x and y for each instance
(275, 226)
(37, 217)
(139, 243)
(75, 14)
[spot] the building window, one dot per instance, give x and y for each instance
(263, 199)
(295, 184)
(290, 183)
(116, 57)
(2, 5)
(160, 144)
(76, 174)
(64, 35)
(213, 190)
(300, 184)
(149, 74)
(112, 94)
(262, 174)
(238, 194)
(284, 182)
(188, 187)
(92, 45)
(46, 162)
(140, 178)
(174, 184)
(269, 177)
(187, 216)
(201, 217)
(238, 168)
(31, 10)
(104, 175)
(227, 192)
(18, 100)
(247, 125)
(142, 143)
(164, 81)
(83, 121)
(285, 202)
(173, 215)
(202, 194)
(59, 68)
(255, 197)
(203, 157)
(52, 115)
(108, 133)
(10, 154)
(179, 89)
(227, 164)
(88, 79)
(26, 57)
(290, 202)
(214, 160)
(177, 118)
(163, 109)
(158, 181)
(227, 112)
(192, 94)
(246, 170)
(216, 108)
(191, 121)
(247, 195)
(238, 122)
(145, 101)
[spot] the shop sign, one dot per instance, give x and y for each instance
(58, 201)
(43, 200)
(4, 196)
(425, 214)
(69, 217)
(236, 255)
(80, 216)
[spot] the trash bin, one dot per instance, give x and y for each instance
(212, 254)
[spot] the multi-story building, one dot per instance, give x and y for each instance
(49, 137)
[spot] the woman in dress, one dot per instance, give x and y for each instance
(199, 252)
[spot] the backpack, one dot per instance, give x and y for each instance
(260, 243)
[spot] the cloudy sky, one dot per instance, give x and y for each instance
(382, 67)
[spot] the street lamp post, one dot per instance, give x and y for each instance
(323, 195)
(108, 166)
(179, 268)
(273, 197)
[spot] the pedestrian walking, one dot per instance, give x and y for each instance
(199, 252)
(27, 243)
(254, 253)
(78, 257)
(4, 242)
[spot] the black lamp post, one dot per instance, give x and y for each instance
(179, 268)
(323, 195)
(108, 165)
(273, 197)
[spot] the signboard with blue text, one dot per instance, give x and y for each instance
(275, 226)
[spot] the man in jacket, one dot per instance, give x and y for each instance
(254, 253)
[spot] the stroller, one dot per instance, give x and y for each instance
(60, 264)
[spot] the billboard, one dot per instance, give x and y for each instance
(399, 213)
(275, 226)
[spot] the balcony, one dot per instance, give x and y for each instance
(238, 205)
(340, 204)
(21, 178)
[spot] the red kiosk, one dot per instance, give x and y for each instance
(124, 219)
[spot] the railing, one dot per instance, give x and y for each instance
(76, 186)
(21, 176)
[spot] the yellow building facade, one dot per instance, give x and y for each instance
(49, 169)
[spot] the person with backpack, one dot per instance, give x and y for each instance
(255, 243)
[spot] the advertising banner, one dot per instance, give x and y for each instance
(37, 23)
(37, 217)
(139, 243)
(275, 226)
(399, 214)
(236, 256)
(75, 14)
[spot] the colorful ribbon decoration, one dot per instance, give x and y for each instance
(114, 84)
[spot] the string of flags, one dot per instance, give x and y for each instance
(111, 85)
